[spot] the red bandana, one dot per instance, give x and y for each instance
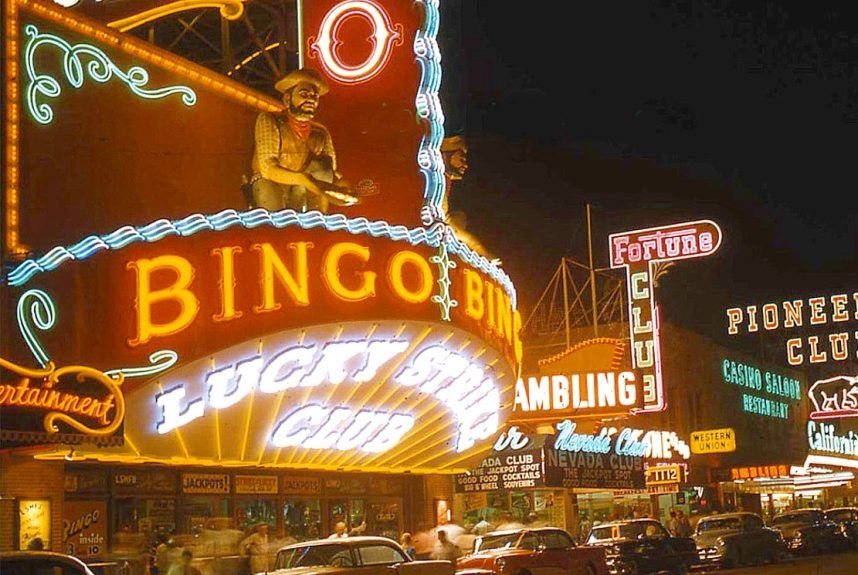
(301, 129)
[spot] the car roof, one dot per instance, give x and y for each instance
(503, 532)
(796, 511)
(841, 509)
(342, 541)
(627, 522)
(732, 514)
(12, 555)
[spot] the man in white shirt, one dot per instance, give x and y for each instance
(339, 531)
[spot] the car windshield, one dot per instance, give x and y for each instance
(838, 516)
(335, 555)
(800, 517)
(719, 524)
(496, 542)
(626, 531)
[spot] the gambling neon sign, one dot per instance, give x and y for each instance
(640, 252)
(328, 45)
(462, 385)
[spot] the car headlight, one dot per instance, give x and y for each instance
(720, 542)
(500, 563)
(616, 550)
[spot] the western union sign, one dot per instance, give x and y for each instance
(713, 441)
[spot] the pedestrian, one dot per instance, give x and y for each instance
(36, 544)
(407, 546)
(183, 566)
(482, 527)
(445, 550)
(255, 546)
(339, 531)
(672, 524)
(683, 526)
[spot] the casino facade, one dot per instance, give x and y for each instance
(177, 361)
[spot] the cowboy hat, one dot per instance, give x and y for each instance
(296, 77)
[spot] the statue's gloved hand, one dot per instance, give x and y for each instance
(339, 195)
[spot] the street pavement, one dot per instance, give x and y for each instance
(834, 564)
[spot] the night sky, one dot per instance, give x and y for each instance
(657, 112)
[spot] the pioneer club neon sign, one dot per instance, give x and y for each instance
(462, 385)
(797, 314)
(327, 44)
(639, 252)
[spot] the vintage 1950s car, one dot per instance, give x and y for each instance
(543, 551)
(809, 531)
(353, 556)
(640, 546)
(735, 538)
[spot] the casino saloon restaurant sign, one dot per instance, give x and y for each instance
(568, 460)
(151, 306)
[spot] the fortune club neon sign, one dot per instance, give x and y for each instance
(460, 384)
(639, 252)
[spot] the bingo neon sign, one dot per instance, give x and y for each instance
(327, 45)
(639, 252)
(462, 385)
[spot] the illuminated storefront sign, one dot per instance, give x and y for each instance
(503, 471)
(713, 441)
(450, 377)
(85, 528)
(753, 381)
(34, 522)
(652, 444)
(327, 45)
(548, 398)
(256, 484)
(205, 483)
(641, 252)
(759, 471)
(836, 397)
(824, 437)
(793, 315)
(665, 475)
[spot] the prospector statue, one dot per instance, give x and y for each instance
(294, 163)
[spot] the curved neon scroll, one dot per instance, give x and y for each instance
(99, 68)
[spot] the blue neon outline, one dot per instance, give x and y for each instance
(161, 360)
(428, 106)
(100, 68)
(43, 315)
(225, 219)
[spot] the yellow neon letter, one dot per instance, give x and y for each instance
(516, 337)
(394, 275)
(475, 307)
(271, 266)
(504, 315)
(331, 272)
(227, 282)
(178, 292)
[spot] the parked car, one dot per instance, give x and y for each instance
(548, 551)
(736, 538)
(640, 546)
(809, 531)
(847, 519)
(354, 555)
(41, 563)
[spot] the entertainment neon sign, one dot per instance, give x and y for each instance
(461, 385)
(640, 252)
(384, 36)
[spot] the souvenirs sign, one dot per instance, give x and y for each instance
(643, 253)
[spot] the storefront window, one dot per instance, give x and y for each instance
(302, 519)
(384, 520)
(198, 513)
(250, 512)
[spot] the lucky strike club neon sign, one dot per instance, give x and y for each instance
(639, 252)
(464, 386)
(793, 314)
(327, 45)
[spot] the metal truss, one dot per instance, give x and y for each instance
(257, 49)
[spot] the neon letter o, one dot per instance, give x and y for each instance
(394, 275)
(384, 36)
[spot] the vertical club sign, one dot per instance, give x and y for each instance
(641, 252)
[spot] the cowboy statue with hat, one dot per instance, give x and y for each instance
(294, 163)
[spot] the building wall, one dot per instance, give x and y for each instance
(437, 487)
(22, 477)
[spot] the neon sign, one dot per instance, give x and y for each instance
(463, 386)
(100, 69)
(549, 397)
(824, 437)
(651, 444)
(753, 379)
(834, 398)
(793, 314)
(640, 252)
(327, 45)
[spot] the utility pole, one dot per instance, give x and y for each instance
(592, 276)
